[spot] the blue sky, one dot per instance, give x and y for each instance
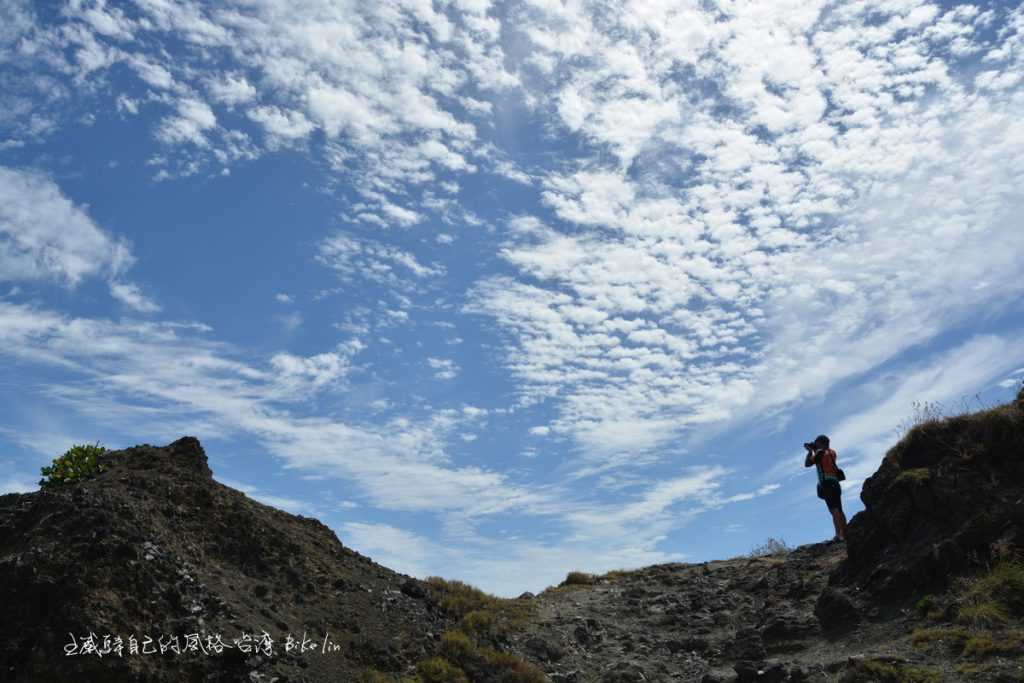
(504, 290)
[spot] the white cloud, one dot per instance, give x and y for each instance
(284, 125)
(16, 485)
(947, 378)
(292, 505)
(312, 372)
(592, 537)
(353, 258)
(132, 297)
(193, 119)
(395, 548)
(44, 236)
(198, 385)
(725, 266)
(445, 368)
(152, 73)
(231, 89)
(758, 202)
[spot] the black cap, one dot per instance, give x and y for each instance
(822, 440)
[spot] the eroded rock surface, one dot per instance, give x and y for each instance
(155, 547)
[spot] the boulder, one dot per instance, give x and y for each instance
(835, 610)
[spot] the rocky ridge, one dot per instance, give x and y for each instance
(155, 547)
(929, 588)
(943, 523)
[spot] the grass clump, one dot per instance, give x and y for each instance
(934, 433)
(916, 475)
(468, 651)
(878, 671)
(953, 638)
(614, 575)
(579, 579)
(440, 670)
(928, 607)
(79, 462)
(981, 646)
(479, 614)
(988, 614)
(458, 598)
(374, 676)
(1004, 584)
(463, 659)
(993, 599)
(923, 413)
(773, 546)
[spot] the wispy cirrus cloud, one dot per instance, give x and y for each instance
(45, 236)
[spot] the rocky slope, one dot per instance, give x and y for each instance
(949, 496)
(155, 547)
(930, 588)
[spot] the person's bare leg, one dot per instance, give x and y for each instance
(839, 522)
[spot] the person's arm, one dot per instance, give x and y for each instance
(809, 460)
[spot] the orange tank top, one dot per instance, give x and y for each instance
(826, 463)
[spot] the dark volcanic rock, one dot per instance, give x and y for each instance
(624, 672)
(946, 497)
(941, 499)
(155, 548)
(835, 610)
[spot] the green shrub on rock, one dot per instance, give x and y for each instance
(440, 670)
(579, 579)
(79, 462)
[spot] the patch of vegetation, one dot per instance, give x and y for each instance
(579, 579)
(988, 614)
(374, 676)
(467, 652)
(461, 659)
(971, 669)
(934, 429)
(616, 574)
(878, 671)
(79, 462)
(993, 599)
(480, 615)
(923, 413)
(928, 607)
(981, 646)
(1004, 584)
(916, 475)
(773, 546)
(440, 670)
(953, 638)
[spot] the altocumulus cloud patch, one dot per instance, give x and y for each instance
(527, 286)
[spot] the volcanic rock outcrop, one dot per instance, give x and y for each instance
(947, 497)
(155, 548)
(153, 554)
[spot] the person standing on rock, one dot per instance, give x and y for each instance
(823, 459)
